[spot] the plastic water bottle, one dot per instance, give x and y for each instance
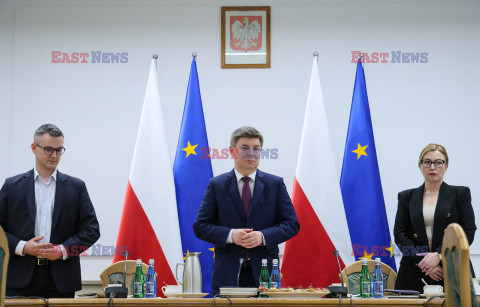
(275, 277)
(365, 279)
(151, 284)
(377, 280)
(264, 275)
(138, 281)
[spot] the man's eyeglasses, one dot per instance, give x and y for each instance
(436, 163)
(251, 153)
(49, 150)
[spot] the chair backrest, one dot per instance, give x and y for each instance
(4, 256)
(351, 275)
(456, 267)
(114, 273)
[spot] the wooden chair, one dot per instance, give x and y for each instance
(114, 273)
(456, 268)
(4, 256)
(351, 275)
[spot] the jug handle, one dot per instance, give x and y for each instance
(176, 272)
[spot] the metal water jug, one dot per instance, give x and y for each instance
(192, 274)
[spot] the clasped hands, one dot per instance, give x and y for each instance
(247, 237)
(44, 250)
(430, 265)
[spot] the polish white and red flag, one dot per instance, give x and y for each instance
(308, 258)
(149, 225)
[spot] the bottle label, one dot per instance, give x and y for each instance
(264, 284)
(366, 287)
(149, 290)
(137, 288)
(273, 285)
(378, 288)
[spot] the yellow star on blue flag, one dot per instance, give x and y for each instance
(360, 151)
(186, 255)
(190, 149)
(367, 255)
(390, 249)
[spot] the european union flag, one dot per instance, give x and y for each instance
(360, 183)
(192, 171)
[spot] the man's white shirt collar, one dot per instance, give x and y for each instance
(36, 175)
(240, 176)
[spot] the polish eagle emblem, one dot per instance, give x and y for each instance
(246, 33)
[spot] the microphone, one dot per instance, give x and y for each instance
(337, 291)
(125, 271)
(335, 252)
(239, 270)
(118, 290)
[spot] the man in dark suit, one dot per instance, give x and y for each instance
(49, 219)
(246, 213)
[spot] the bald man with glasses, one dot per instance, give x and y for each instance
(49, 220)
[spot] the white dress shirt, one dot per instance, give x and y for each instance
(240, 182)
(44, 204)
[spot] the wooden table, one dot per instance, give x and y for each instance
(240, 302)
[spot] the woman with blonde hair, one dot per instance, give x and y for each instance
(423, 214)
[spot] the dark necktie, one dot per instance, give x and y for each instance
(246, 195)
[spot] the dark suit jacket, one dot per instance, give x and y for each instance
(271, 212)
(453, 206)
(74, 225)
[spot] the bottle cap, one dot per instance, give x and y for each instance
(364, 260)
(139, 261)
(264, 261)
(151, 261)
(275, 261)
(377, 260)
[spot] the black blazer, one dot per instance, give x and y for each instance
(453, 206)
(74, 225)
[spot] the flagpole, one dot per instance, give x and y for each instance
(155, 57)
